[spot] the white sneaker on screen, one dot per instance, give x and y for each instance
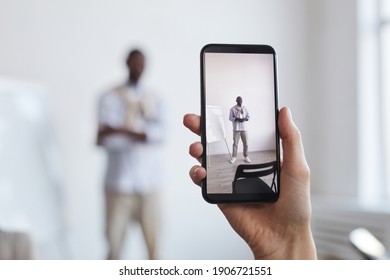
(247, 160)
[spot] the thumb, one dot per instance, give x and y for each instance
(294, 161)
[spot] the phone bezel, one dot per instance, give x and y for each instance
(238, 198)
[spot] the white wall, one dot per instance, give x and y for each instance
(76, 48)
(331, 135)
(251, 77)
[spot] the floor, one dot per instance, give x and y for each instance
(220, 172)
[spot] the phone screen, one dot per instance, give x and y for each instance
(239, 107)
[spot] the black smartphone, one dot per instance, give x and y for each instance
(239, 112)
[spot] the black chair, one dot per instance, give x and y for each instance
(247, 178)
(368, 245)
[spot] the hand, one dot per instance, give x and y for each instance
(139, 136)
(107, 130)
(278, 230)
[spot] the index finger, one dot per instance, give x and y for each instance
(192, 122)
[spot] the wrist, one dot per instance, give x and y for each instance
(294, 246)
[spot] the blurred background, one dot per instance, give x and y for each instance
(58, 57)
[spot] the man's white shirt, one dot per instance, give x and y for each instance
(133, 166)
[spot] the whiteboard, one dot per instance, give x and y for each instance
(31, 182)
(215, 124)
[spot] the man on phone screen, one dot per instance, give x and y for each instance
(238, 116)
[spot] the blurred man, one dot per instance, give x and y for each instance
(131, 130)
(238, 116)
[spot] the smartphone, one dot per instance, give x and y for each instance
(239, 113)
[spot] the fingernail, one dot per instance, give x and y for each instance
(196, 170)
(289, 114)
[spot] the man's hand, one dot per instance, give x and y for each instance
(107, 130)
(278, 230)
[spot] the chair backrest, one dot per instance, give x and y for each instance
(255, 170)
(368, 245)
